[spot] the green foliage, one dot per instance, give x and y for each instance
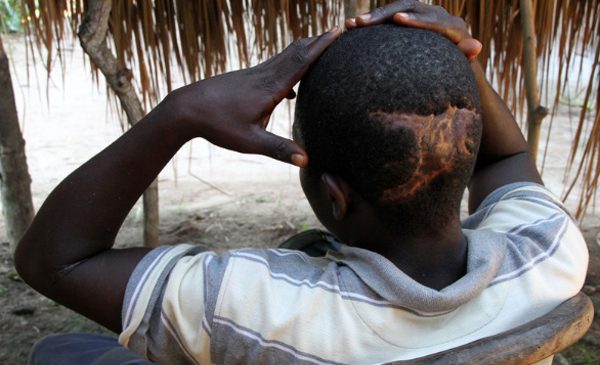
(582, 353)
(13, 275)
(304, 227)
(10, 16)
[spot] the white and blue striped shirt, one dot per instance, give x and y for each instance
(353, 306)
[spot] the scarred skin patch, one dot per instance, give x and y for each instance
(442, 140)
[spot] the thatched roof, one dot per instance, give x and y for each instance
(163, 38)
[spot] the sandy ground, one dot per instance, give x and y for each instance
(207, 195)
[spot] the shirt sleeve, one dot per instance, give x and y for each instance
(169, 303)
(515, 204)
(541, 238)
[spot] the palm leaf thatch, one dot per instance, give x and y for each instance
(564, 28)
(165, 38)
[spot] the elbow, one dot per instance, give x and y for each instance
(23, 260)
(30, 265)
(37, 264)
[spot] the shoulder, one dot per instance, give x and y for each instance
(207, 277)
(545, 250)
(516, 204)
(532, 220)
(273, 270)
(176, 288)
(190, 268)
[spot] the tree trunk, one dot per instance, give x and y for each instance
(535, 112)
(15, 183)
(92, 35)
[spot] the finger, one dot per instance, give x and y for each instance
(384, 13)
(350, 23)
(281, 149)
(318, 46)
(295, 60)
(425, 21)
(470, 47)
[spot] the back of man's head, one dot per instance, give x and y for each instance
(394, 111)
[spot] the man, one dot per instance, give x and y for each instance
(391, 121)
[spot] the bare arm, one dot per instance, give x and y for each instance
(503, 155)
(67, 252)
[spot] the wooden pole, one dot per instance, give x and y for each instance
(15, 182)
(92, 35)
(353, 8)
(535, 112)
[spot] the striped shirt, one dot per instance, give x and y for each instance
(353, 306)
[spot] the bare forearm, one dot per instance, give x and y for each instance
(503, 154)
(82, 216)
(501, 135)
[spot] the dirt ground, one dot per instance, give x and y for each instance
(209, 196)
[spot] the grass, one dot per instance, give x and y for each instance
(582, 353)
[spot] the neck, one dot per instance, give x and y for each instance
(433, 259)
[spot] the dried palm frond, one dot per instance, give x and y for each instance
(194, 38)
(564, 28)
(165, 38)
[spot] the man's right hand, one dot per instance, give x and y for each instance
(412, 13)
(232, 110)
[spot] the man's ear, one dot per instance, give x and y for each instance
(339, 195)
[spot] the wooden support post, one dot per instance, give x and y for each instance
(535, 112)
(353, 8)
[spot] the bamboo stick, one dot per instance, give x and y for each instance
(535, 112)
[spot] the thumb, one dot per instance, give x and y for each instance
(281, 149)
(470, 47)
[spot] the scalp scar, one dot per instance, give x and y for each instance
(441, 139)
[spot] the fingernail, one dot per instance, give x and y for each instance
(334, 29)
(298, 160)
(351, 22)
(404, 15)
(365, 17)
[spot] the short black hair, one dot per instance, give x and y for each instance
(353, 115)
